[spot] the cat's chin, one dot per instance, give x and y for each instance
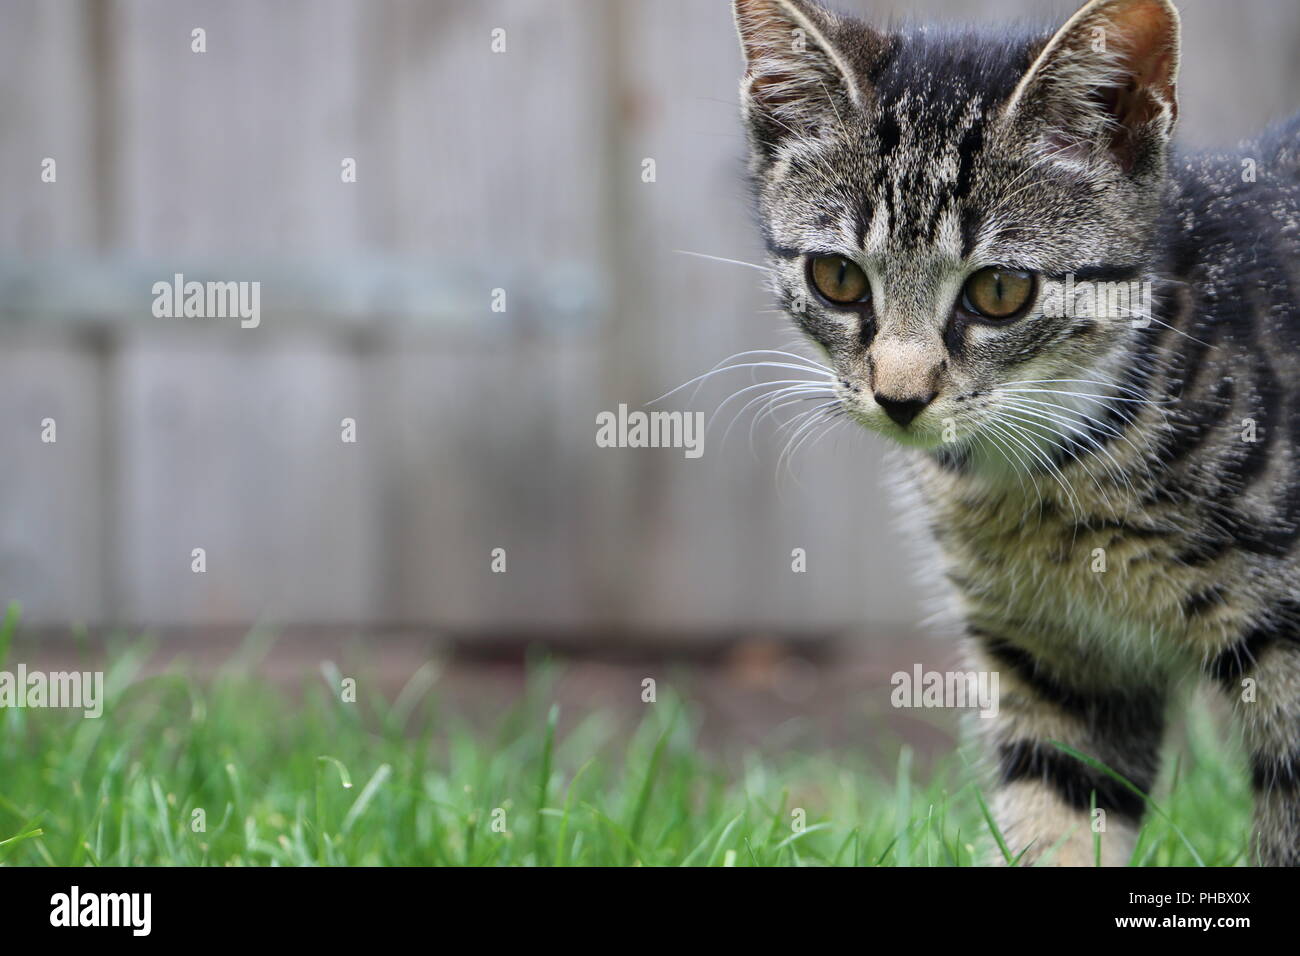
(918, 438)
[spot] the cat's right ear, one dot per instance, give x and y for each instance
(797, 79)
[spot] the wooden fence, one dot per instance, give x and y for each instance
(476, 171)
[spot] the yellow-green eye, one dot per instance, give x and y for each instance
(997, 293)
(839, 280)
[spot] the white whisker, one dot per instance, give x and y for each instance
(741, 391)
(734, 262)
(731, 368)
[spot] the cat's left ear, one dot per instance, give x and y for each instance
(1106, 82)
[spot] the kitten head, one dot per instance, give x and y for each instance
(926, 194)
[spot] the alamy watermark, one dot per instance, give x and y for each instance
(74, 690)
(946, 689)
(208, 300)
(638, 429)
(133, 911)
(1088, 298)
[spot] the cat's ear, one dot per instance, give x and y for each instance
(1106, 82)
(797, 78)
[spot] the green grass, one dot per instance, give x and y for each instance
(305, 779)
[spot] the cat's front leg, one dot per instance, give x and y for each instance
(1044, 795)
(1260, 672)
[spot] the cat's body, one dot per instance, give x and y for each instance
(1115, 497)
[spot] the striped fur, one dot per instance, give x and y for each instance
(1116, 498)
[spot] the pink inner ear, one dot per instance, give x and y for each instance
(1147, 39)
(1147, 36)
(776, 89)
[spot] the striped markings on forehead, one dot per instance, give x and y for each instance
(910, 195)
(924, 177)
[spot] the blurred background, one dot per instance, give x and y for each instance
(476, 170)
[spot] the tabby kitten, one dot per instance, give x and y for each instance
(1112, 480)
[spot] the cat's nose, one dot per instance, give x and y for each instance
(903, 410)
